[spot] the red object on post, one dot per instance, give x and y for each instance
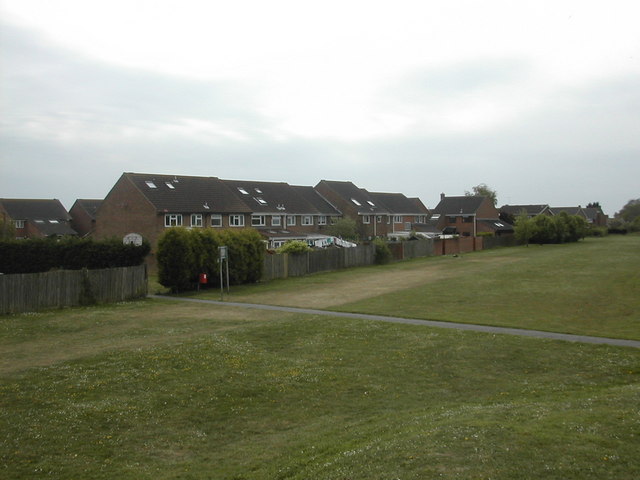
(203, 278)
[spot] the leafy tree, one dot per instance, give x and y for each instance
(630, 211)
(176, 259)
(344, 228)
(524, 228)
(594, 205)
(483, 190)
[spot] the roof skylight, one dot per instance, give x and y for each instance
(260, 200)
(150, 184)
(243, 191)
(170, 185)
(371, 203)
(356, 202)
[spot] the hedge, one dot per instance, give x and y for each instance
(42, 255)
(184, 254)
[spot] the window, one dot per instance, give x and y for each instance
(371, 203)
(276, 221)
(236, 220)
(19, 223)
(291, 220)
(366, 219)
(356, 202)
(467, 219)
(257, 190)
(307, 220)
(173, 220)
(322, 220)
(397, 219)
(243, 191)
(257, 220)
(170, 185)
(150, 184)
(196, 219)
(216, 220)
(451, 219)
(260, 200)
(379, 219)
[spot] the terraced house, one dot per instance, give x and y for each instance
(147, 204)
(36, 218)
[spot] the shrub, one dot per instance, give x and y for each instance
(294, 247)
(383, 252)
(42, 255)
(184, 254)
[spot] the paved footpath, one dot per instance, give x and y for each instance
(428, 323)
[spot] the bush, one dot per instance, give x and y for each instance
(184, 254)
(294, 247)
(42, 255)
(383, 252)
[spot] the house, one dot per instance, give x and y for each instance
(376, 214)
(596, 217)
(83, 215)
(468, 216)
(37, 218)
(513, 211)
(282, 212)
(147, 204)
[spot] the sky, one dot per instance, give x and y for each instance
(540, 100)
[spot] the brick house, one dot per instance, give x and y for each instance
(37, 218)
(530, 210)
(469, 216)
(375, 214)
(147, 204)
(83, 216)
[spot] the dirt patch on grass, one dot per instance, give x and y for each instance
(364, 283)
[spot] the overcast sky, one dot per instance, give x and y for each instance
(538, 99)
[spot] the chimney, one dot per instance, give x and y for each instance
(441, 196)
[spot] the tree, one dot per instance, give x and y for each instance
(176, 259)
(524, 228)
(483, 190)
(630, 211)
(594, 205)
(344, 228)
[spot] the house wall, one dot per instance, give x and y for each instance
(126, 210)
(81, 221)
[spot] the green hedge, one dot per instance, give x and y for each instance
(543, 229)
(42, 255)
(184, 254)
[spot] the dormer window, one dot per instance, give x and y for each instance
(150, 184)
(356, 202)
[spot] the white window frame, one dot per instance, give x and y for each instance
(196, 220)
(258, 220)
(276, 220)
(322, 219)
(307, 220)
(291, 220)
(378, 218)
(366, 219)
(236, 220)
(216, 220)
(18, 223)
(172, 220)
(398, 219)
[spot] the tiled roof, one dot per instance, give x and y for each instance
(529, 209)
(399, 204)
(270, 197)
(322, 206)
(359, 197)
(88, 205)
(32, 209)
(465, 205)
(177, 193)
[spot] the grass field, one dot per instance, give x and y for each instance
(167, 390)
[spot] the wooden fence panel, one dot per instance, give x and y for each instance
(28, 292)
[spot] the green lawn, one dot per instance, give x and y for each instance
(168, 390)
